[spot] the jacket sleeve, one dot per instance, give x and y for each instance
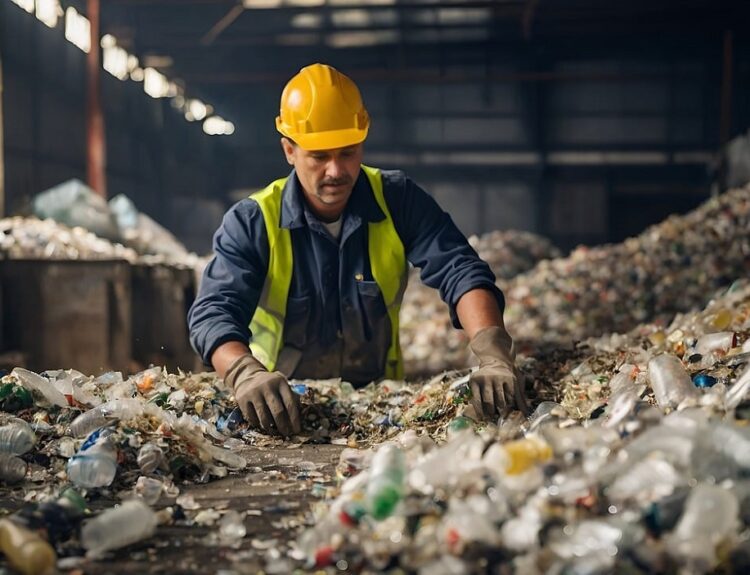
(434, 244)
(232, 282)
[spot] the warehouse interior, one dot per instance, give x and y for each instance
(597, 156)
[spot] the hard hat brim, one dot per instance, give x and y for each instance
(326, 140)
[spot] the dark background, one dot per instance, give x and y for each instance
(582, 120)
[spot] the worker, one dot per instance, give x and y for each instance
(308, 274)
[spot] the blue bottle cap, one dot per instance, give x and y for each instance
(704, 381)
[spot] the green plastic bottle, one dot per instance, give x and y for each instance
(385, 486)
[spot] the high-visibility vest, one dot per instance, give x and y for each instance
(387, 264)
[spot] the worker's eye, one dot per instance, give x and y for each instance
(319, 157)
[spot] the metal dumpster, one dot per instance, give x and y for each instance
(162, 296)
(67, 314)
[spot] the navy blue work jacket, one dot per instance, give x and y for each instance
(336, 323)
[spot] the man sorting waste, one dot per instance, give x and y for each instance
(308, 273)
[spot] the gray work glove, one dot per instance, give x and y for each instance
(495, 387)
(264, 397)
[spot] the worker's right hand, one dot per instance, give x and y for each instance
(264, 397)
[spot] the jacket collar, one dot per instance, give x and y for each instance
(361, 203)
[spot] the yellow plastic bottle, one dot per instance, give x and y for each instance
(525, 453)
(722, 319)
(26, 551)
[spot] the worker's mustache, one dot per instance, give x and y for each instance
(335, 182)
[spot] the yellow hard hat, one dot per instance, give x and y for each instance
(322, 109)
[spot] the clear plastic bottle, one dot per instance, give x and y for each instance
(737, 393)
(670, 382)
(16, 437)
(150, 458)
(720, 342)
(95, 464)
(385, 485)
(118, 527)
(25, 550)
(43, 387)
(148, 489)
(12, 468)
(711, 516)
(88, 421)
(105, 413)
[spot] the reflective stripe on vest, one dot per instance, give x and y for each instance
(387, 265)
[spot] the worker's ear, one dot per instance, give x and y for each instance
(289, 149)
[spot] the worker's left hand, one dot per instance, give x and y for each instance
(496, 388)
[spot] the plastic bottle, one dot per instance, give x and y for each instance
(150, 458)
(43, 387)
(710, 517)
(117, 527)
(12, 468)
(620, 407)
(385, 485)
(88, 421)
(148, 489)
(107, 412)
(716, 342)
(670, 382)
(26, 551)
(515, 457)
(737, 393)
(16, 437)
(95, 464)
(458, 424)
(14, 398)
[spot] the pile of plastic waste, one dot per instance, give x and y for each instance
(32, 238)
(74, 204)
(68, 441)
(512, 252)
(429, 341)
(671, 267)
(641, 466)
(93, 427)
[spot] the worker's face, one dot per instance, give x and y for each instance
(327, 176)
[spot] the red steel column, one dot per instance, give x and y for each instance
(96, 160)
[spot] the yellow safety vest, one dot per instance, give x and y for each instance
(387, 263)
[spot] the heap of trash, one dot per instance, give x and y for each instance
(89, 227)
(429, 341)
(640, 466)
(32, 238)
(636, 435)
(670, 268)
(512, 252)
